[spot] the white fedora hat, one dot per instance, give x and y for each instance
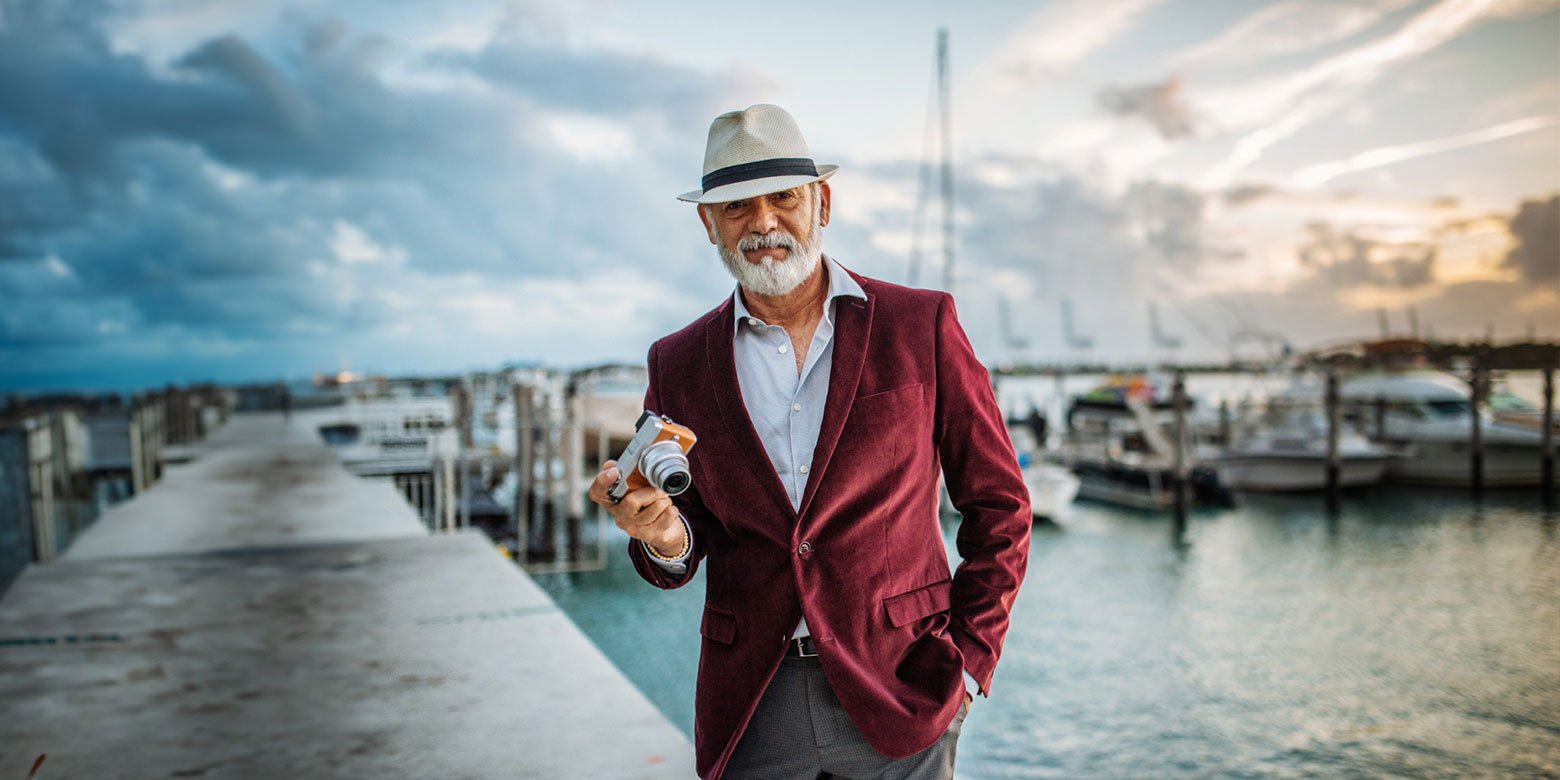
(754, 152)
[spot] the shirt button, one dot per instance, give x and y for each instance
(803, 548)
(803, 469)
(796, 407)
(753, 322)
(783, 348)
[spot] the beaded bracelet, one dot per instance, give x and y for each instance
(687, 546)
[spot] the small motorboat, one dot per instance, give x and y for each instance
(1119, 445)
(1283, 448)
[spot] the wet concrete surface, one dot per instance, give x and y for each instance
(263, 641)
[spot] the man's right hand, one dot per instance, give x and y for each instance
(646, 514)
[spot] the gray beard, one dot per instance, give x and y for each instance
(768, 276)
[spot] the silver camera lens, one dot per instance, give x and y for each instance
(666, 467)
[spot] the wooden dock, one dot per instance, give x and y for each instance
(262, 613)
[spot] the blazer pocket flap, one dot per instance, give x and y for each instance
(916, 604)
(888, 399)
(718, 626)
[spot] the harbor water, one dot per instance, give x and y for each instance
(1415, 634)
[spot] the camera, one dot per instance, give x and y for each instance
(657, 457)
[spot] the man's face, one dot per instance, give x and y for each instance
(770, 243)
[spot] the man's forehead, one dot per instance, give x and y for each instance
(799, 191)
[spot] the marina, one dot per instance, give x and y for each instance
(445, 518)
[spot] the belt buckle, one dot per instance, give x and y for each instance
(801, 648)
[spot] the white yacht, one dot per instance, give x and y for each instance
(1052, 487)
(1283, 448)
(1431, 412)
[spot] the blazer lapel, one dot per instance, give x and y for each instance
(852, 328)
(722, 366)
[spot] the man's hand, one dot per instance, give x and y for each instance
(646, 514)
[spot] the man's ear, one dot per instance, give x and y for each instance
(709, 227)
(823, 203)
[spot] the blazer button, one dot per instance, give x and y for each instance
(804, 548)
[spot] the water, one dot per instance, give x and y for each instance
(1417, 634)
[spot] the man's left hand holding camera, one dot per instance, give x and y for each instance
(647, 514)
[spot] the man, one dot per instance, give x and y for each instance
(835, 642)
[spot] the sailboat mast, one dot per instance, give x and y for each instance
(947, 157)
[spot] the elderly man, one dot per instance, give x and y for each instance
(835, 641)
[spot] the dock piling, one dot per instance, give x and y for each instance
(525, 438)
(1476, 437)
(1182, 465)
(1547, 478)
(1333, 460)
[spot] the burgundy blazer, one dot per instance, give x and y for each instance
(864, 558)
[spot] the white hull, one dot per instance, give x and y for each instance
(1051, 490)
(1296, 473)
(1450, 463)
(1110, 493)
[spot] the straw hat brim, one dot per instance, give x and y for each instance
(756, 187)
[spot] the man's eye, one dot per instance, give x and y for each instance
(784, 196)
(736, 204)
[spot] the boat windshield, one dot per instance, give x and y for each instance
(1506, 402)
(1448, 408)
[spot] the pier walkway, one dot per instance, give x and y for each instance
(263, 613)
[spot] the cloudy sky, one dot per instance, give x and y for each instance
(236, 190)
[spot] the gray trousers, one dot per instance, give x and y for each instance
(800, 731)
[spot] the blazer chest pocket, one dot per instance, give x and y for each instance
(913, 605)
(718, 626)
(886, 401)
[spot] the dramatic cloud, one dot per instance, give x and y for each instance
(1536, 230)
(1350, 258)
(209, 188)
(1161, 105)
(299, 195)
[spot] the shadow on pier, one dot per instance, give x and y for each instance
(260, 612)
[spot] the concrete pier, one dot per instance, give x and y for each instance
(262, 613)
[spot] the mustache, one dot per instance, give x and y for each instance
(774, 239)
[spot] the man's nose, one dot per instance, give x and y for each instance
(765, 218)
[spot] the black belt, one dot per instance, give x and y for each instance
(801, 647)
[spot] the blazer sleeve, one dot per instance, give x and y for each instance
(688, 501)
(986, 486)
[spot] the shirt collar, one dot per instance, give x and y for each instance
(840, 284)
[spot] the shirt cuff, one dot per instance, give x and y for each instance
(679, 566)
(970, 686)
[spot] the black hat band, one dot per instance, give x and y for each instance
(762, 169)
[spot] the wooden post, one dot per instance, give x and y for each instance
(462, 410)
(1333, 461)
(1381, 418)
(1182, 466)
(1476, 437)
(447, 522)
(525, 437)
(1061, 407)
(463, 473)
(549, 489)
(1224, 423)
(573, 477)
(602, 453)
(1547, 473)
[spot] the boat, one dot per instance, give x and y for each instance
(1118, 444)
(1431, 411)
(1052, 487)
(1283, 448)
